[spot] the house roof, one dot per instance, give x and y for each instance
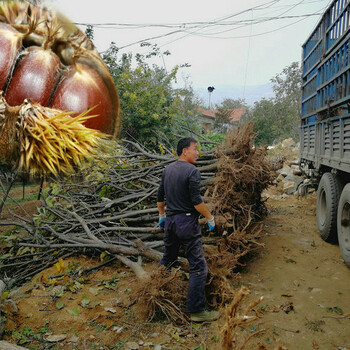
(235, 114)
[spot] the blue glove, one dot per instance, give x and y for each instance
(211, 224)
(161, 221)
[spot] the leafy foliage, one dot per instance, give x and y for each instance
(279, 117)
(89, 32)
(218, 138)
(263, 114)
(230, 103)
(150, 105)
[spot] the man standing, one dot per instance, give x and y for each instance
(180, 187)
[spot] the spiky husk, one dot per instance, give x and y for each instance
(52, 142)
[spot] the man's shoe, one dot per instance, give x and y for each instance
(204, 316)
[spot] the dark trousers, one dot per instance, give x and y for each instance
(184, 229)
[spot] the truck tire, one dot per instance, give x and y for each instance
(343, 223)
(328, 194)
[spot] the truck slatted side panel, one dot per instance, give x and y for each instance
(336, 139)
(346, 138)
(307, 145)
(313, 58)
(327, 143)
(326, 136)
(337, 22)
(333, 78)
(310, 88)
(326, 62)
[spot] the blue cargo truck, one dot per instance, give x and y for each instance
(325, 122)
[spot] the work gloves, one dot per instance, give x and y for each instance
(211, 224)
(161, 221)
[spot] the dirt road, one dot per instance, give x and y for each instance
(301, 274)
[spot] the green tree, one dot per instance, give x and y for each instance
(149, 103)
(89, 32)
(287, 89)
(279, 117)
(230, 103)
(263, 114)
(187, 115)
(287, 86)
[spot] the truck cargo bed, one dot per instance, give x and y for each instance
(327, 143)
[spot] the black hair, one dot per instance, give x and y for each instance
(184, 143)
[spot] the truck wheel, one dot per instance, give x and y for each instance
(343, 221)
(328, 194)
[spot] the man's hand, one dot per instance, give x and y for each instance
(211, 224)
(161, 221)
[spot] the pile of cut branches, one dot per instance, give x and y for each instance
(111, 207)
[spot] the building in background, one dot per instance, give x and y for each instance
(207, 117)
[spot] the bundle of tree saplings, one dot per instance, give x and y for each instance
(112, 208)
(235, 197)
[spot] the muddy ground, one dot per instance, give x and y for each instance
(303, 280)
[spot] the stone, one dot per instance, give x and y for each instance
(289, 187)
(55, 338)
(73, 339)
(294, 162)
(288, 143)
(111, 310)
(279, 178)
(118, 329)
(292, 178)
(131, 346)
(285, 171)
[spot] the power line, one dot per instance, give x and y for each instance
(206, 28)
(246, 23)
(180, 24)
(262, 19)
(242, 23)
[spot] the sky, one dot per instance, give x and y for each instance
(226, 42)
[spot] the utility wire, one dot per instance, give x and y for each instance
(253, 22)
(262, 20)
(241, 23)
(262, 6)
(205, 28)
(182, 24)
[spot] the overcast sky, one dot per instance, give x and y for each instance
(231, 42)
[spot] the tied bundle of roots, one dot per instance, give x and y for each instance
(243, 174)
(224, 258)
(162, 293)
(49, 141)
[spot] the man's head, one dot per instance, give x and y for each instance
(187, 149)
